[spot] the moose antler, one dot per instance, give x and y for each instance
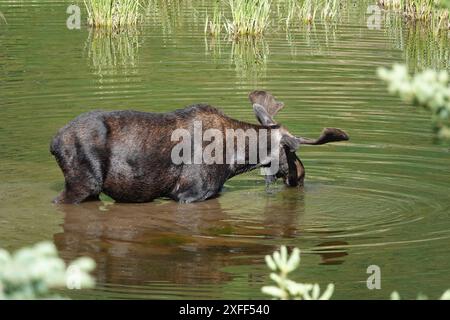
(327, 135)
(267, 100)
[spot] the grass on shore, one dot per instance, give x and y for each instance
(432, 12)
(115, 14)
(248, 17)
(253, 17)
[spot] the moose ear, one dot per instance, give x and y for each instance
(292, 143)
(263, 116)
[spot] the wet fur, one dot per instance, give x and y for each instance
(127, 155)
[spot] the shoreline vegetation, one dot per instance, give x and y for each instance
(36, 272)
(114, 14)
(434, 13)
(428, 89)
(254, 17)
(238, 18)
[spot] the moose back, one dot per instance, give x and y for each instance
(129, 155)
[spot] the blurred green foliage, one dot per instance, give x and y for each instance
(445, 296)
(32, 272)
(282, 264)
(429, 89)
(442, 3)
(113, 14)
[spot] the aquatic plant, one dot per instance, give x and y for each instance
(31, 273)
(213, 25)
(329, 9)
(432, 12)
(249, 55)
(248, 17)
(418, 9)
(2, 18)
(445, 296)
(282, 264)
(170, 15)
(112, 52)
(253, 17)
(113, 13)
(305, 11)
(391, 4)
(424, 50)
(429, 89)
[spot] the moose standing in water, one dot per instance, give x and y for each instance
(129, 155)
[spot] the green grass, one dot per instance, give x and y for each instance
(114, 14)
(432, 12)
(429, 89)
(112, 53)
(300, 10)
(248, 17)
(391, 4)
(213, 25)
(253, 17)
(306, 11)
(2, 18)
(330, 9)
(249, 55)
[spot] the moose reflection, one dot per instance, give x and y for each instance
(162, 241)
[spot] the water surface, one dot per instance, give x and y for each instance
(381, 198)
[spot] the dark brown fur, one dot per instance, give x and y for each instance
(127, 154)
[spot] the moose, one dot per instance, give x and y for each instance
(128, 155)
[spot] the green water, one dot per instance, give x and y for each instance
(380, 199)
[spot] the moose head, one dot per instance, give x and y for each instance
(291, 168)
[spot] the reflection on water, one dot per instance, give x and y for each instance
(422, 46)
(112, 51)
(173, 15)
(248, 56)
(318, 38)
(131, 246)
(424, 49)
(332, 252)
(2, 19)
(166, 242)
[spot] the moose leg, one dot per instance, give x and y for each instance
(193, 190)
(84, 187)
(195, 195)
(73, 196)
(93, 198)
(198, 183)
(83, 175)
